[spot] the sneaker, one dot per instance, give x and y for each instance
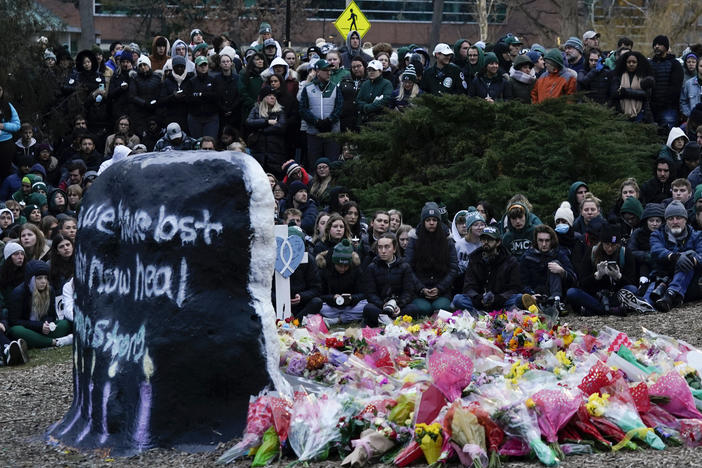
(24, 349)
(13, 354)
(64, 341)
(629, 300)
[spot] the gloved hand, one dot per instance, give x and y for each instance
(324, 125)
(488, 298)
(685, 263)
(614, 272)
(674, 258)
(600, 64)
(601, 270)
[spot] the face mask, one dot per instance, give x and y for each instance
(562, 228)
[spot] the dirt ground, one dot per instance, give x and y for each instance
(34, 396)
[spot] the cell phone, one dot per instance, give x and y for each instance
(611, 264)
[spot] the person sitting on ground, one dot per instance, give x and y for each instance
(335, 230)
(32, 310)
(520, 229)
(546, 270)
(589, 210)
(640, 242)
(389, 284)
(305, 285)
(607, 278)
(298, 197)
(676, 250)
(342, 284)
(175, 140)
(658, 188)
(492, 280)
(432, 256)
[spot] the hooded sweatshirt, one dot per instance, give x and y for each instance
(350, 52)
(189, 65)
(472, 70)
(572, 198)
(518, 241)
(667, 151)
(457, 59)
(158, 61)
(119, 154)
(463, 247)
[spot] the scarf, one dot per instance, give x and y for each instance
(522, 77)
(179, 78)
(630, 107)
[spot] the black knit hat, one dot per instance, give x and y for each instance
(653, 210)
(661, 39)
(610, 233)
(691, 152)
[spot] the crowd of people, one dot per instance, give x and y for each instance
(280, 106)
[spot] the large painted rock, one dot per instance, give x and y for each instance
(174, 326)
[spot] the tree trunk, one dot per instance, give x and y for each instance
(483, 19)
(436, 23)
(569, 20)
(87, 24)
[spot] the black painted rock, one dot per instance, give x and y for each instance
(174, 327)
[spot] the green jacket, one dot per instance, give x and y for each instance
(249, 86)
(337, 75)
(372, 97)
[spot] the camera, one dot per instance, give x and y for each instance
(340, 300)
(389, 307)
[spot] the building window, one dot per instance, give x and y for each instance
(412, 11)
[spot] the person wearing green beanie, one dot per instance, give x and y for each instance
(341, 284)
(559, 80)
(630, 214)
(26, 188)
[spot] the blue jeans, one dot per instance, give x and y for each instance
(579, 298)
(203, 126)
(464, 302)
(681, 280)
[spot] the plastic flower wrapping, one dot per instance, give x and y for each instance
(475, 391)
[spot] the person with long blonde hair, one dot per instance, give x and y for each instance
(32, 310)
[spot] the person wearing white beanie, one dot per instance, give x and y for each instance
(564, 213)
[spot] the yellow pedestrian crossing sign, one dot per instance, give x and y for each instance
(352, 19)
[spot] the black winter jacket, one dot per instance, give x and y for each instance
(669, 79)
(384, 281)
(499, 275)
(144, 91)
(333, 282)
(173, 105)
(596, 84)
(533, 267)
(201, 92)
(433, 279)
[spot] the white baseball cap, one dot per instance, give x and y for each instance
(442, 48)
(376, 65)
